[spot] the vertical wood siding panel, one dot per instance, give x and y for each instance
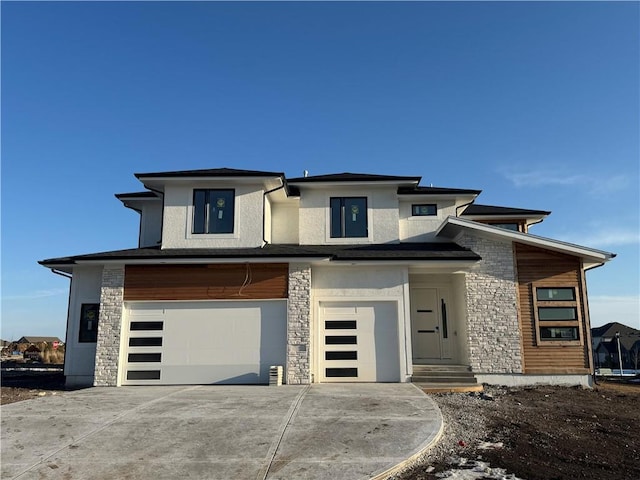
(554, 269)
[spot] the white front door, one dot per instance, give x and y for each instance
(429, 324)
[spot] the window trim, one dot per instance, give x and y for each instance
(207, 234)
(577, 322)
(435, 214)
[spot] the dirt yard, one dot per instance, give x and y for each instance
(18, 387)
(542, 433)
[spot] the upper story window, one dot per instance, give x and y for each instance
(349, 217)
(424, 210)
(509, 226)
(213, 211)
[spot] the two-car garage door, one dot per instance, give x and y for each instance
(228, 342)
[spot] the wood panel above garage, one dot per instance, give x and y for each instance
(206, 282)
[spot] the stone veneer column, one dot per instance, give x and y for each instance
(492, 313)
(109, 326)
(299, 325)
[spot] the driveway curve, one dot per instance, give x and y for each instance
(337, 431)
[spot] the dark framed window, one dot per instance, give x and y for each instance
(507, 226)
(559, 333)
(557, 315)
(89, 313)
(349, 217)
(424, 210)
(213, 211)
(564, 294)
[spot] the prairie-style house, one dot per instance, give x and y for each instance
(338, 278)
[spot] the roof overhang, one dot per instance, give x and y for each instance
(159, 183)
(506, 218)
(454, 226)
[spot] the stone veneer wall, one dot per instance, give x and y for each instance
(109, 326)
(494, 337)
(299, 325)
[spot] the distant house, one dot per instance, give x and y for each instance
(34, 340)
(605, 346)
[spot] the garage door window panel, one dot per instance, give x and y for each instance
(138, 326)
(341, 372)
(340, 340)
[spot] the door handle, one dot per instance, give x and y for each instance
(426, 331)
(424, 311)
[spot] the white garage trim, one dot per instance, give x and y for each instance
(202, 342)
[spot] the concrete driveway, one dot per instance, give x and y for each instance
(218, 432)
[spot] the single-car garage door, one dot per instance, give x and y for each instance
(359, 342)
(227, 342)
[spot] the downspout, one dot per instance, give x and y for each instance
(161, 216)
(66, 328)
(462, 206)
(531, 224)
(264, 211)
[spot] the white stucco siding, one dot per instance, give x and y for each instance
(151, 224)
(422, 229)
(80, 357)
(178, 218)
(284, 224)
(382, 215)
(354, 281)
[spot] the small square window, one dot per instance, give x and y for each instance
(88, 332)
(213, 211)
(424, 210)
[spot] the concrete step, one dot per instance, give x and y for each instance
(448, 387)
(440, 368)
(454, 373)
(468, 380)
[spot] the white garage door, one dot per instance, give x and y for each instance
(359, 342)
(227, 342)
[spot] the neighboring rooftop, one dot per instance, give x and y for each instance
(38, 340)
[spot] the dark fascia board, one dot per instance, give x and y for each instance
(354, 177)
(136, 196)
(480, 210)
(211, 172)
(390, 252)
(436, 191)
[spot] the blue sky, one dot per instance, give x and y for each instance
(534, 103)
